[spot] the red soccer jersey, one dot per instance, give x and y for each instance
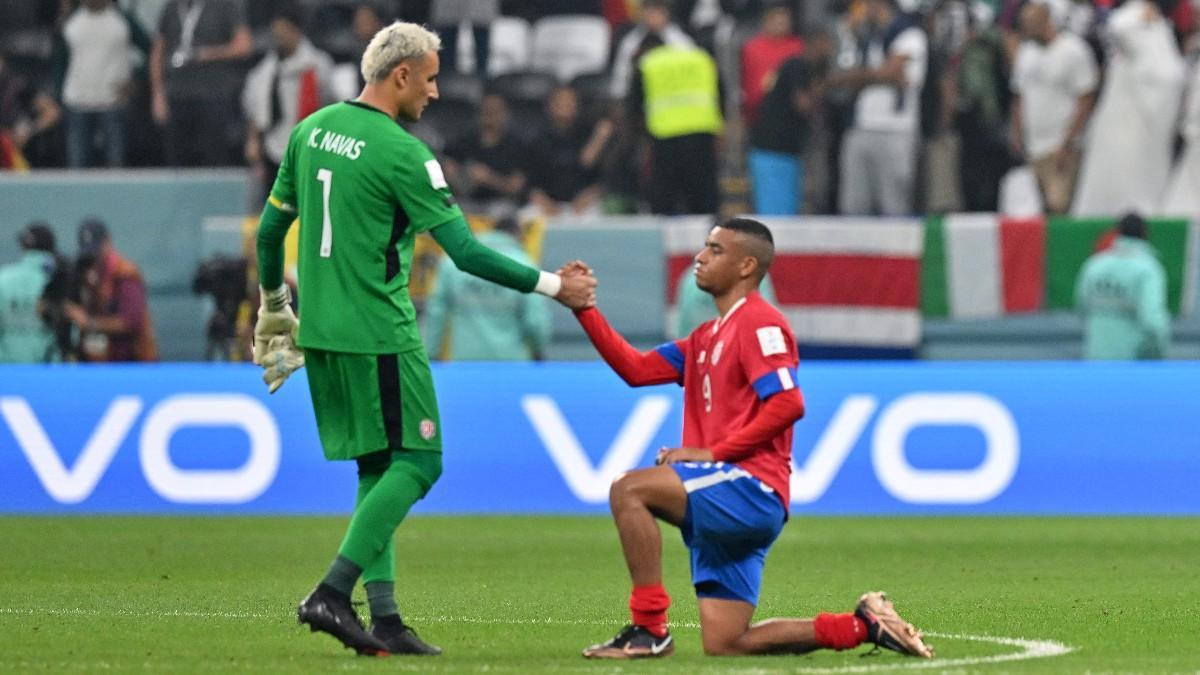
(728, 367)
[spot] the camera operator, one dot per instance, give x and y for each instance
(224, 279)
(113, 316)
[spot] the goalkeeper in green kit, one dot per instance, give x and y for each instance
(363, 188)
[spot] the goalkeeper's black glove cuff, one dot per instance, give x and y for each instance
(275, 300)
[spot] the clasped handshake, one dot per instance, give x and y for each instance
(275, 332)
(578, 286)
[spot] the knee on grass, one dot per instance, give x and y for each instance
(723, 645)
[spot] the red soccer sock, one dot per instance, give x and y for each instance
(839, 631)
(648, 605)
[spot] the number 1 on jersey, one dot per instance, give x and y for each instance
(326, 178)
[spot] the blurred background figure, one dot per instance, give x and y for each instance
(292, 81)
(26, 113)
(779, 138)
(224, 280)
(676, 93)
(655, 20)
(837, 48)
(447, 16)
(1183, 198)
(1128, 152)
(469, 319)
(564, 173)
(112, 316)
(1122, 294)
(1054, 83)
(368, 18)
(980, 102)
(99, 42)
(486, 167)
(763, 54)
(25, 336)
(195, 80)
(879, 161)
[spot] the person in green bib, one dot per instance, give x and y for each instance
(363, 188)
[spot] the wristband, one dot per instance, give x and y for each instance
(277, 299)
(549, 284)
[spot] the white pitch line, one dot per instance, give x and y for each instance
(161, 614)
(1030, 649)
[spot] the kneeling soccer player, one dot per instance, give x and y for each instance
(727, 488)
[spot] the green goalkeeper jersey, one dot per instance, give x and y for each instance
(363, 189)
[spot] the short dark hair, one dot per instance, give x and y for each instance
(37, 236)
(92, 234)
(762, 244)
(290, 11)
(1132, 225)
(751, 227)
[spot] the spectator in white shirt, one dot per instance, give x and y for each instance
(1054, 85)
(878, 161)
(290, 82)
(100, 40)
(1130, 142)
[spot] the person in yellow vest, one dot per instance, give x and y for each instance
(676, 92)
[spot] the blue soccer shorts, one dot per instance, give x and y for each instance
(732, 520)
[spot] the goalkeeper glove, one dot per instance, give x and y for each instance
(281, 360)
(275, 317)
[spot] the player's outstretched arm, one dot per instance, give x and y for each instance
(638, 369)
(476, 259)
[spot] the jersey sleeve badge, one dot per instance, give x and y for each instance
(770, 339)
(436, 177)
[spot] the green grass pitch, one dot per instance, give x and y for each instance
(525, 594)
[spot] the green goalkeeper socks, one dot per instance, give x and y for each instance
(342, 575)
(381, 596)
(378, 515)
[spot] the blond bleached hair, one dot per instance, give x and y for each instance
(394, 44)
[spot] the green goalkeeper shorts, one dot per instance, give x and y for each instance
(365, 403)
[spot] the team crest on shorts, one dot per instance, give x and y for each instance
(428, 429)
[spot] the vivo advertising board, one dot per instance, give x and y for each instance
(1029, 438)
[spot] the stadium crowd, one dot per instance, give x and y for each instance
(931, 105)
(582, 107)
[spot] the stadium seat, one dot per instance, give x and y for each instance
(524, 87)
(526, 94)
(28, 52)
(450, 119)
(593, 88)
(570, 45)
(508, 48)
(459, 87)
(427, 130)
(16, 15)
